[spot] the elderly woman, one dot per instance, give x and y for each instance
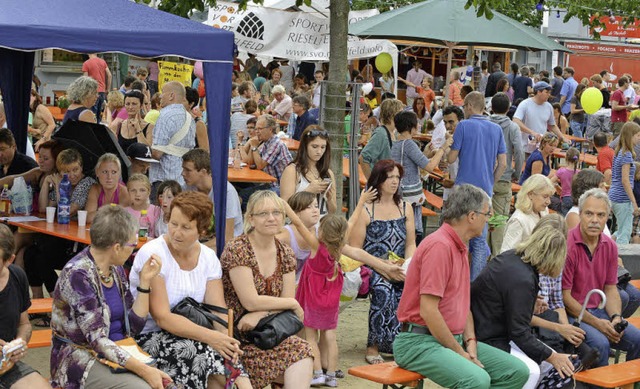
(195, 355)
(531, 205)
(93, 309)
(133, 129)
(259, 278)
(109, 189)
(310, 171)
(267, 86)
(43, 123)
(282, 105)
(539, 161)
(503, 297)
(83, 94)
(389, 228)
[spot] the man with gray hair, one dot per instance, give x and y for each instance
(435, 306)
(592, 263)
(303, 118)
(173, 135)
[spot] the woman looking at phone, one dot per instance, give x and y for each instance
(310, 171)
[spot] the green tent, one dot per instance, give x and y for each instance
(448, 23)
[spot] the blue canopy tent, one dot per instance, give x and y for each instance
(97, 26)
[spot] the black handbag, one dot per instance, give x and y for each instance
(623, 276)
(200, 313)
(273, 329)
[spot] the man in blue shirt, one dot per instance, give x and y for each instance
(304, 119)
(478, 143)
(568, 89)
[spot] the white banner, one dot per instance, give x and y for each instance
(291, 35)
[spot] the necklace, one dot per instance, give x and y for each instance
(103, 278)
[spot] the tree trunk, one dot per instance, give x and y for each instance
(334, 110)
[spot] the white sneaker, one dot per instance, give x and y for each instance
(331, 382)
(318, 380)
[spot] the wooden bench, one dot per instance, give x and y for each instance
(433, 200)
(622, 375)
(389, 375)
(40, 338)
(428, 212)
(635, 283)
(43, 305)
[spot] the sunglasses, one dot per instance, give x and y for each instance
(314, 133)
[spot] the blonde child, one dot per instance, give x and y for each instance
(167, 191)
(139, 189)
(635, 234)
(565, 176)
(320, 285)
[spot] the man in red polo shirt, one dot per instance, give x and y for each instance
(96, 68)
(592, 263)
(437, 337)
(620, 106)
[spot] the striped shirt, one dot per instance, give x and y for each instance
(616, 192)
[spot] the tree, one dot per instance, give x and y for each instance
(588, 11)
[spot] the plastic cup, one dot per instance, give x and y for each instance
(82, 218)
(51, 214)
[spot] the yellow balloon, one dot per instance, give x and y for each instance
(591, 100)
(384, 62)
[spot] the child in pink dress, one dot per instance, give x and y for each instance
(565, 175)
(139, 189)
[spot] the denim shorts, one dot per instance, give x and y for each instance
(15, 374)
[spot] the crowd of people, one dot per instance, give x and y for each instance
(471, 307)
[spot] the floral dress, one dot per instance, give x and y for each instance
(384, 236)
(263, 366)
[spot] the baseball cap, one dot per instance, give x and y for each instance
(141, 152)
(541, 85)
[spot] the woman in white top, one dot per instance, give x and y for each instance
(193, 354)
(310, 171)
(582, 182)
(531, 204)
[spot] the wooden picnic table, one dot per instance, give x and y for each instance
(246, 174)
(292, 144)
(56, 112)
(422, 137)
(588, 159)
(575, 138)
(345, 172)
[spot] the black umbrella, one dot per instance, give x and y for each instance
(91, 140)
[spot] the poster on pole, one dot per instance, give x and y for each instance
(174, 71)
(297, 36)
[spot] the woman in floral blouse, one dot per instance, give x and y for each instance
(93, 308)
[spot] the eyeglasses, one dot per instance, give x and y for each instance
(132, 245)
(486, 214)
(262, 128)
(265, 214)
(314, 133)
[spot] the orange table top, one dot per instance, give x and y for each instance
(249, 175)
(589, 159)
(345, 172)
(422, 137)
(292, 144)
(575, 138)
(612, 376)
(41, 305)
(69, 231)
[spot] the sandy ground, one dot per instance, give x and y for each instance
(352, 340)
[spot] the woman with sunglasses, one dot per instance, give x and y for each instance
(134, 129)
(539, 161)
(309, 171)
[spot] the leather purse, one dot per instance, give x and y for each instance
(273, 329)
(200, 313)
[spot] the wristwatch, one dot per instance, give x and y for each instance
(254, 149)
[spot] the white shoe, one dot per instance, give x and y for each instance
(318, 380)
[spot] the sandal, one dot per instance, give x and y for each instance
(40, 319)
(374, 359)
(339, 374)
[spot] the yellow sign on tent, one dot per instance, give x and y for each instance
(174, 71)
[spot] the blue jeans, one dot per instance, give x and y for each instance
(630, 298)
(630, 341)
(480, 251)
(624, 219)
(577, 128)
(97, 108)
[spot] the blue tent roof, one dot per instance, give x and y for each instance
(95, 26)
(90, 26)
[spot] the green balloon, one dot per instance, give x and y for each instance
(591, 100)
(384, 62)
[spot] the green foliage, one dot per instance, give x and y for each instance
(588, 11)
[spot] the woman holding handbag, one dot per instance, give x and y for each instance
(194, 354)
(93, 309)
(406, 152)
(259, 280)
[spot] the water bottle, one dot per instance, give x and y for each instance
(5, 201)
(143, 232)
(237, 160)
(30, 204)
(64, 201)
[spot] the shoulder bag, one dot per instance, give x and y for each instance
(411, 193)
(171, 148)
(273, 329)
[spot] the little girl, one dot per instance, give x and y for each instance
(635, 234)
(565, 175)
(167, 190)
(139, 189)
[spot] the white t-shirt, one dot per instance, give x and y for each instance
(180, 283)
(538, 117)
(233, 209)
